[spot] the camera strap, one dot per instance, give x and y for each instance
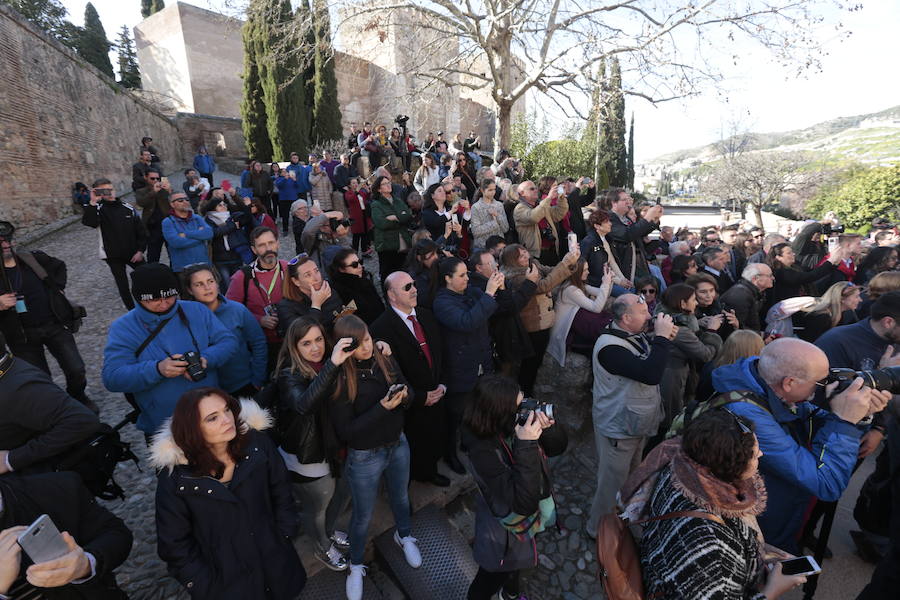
(184, 320)
(160, 326)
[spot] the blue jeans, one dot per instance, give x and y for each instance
(364, 470)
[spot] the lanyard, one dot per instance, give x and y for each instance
(268, 293)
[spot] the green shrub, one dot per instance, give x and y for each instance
(863, 197)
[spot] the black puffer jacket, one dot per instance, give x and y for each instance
(121, 231)
(302, 426)
(360, 290)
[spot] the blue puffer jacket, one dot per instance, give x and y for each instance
(808, 453)
(303, 179)
(204, 163)
(288, 189)
(189, 248)
(155, 394)
(248, 364)
(467, 343)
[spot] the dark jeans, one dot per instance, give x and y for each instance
(155, 243)
(284, 209)
(271, 206)
(455, 405)
(226, 270)
(363, 472)
(61, 344)
(426, 431)
(528, 373)
(360, 242)
(117, 266)
(486, 584)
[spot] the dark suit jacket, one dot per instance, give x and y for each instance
(406, 351)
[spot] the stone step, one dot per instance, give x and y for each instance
(447, 564)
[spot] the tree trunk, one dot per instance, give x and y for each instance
(504, 126)
(757, 210)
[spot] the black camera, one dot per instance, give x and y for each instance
(547, 233)
(530, 404)
(828, 229)
(195, 368)
(887, 379)
(335, 223)
(401, 120)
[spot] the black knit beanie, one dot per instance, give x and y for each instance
(153, 281)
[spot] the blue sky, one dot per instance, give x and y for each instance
(858, 76)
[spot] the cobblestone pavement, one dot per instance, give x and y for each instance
(567, 566)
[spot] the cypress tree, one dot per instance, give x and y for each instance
(148, 7)
(280, 75)
(129, 74)
(630, 164)
(92, 44)
(615, 132)
(326, 121)
(253, 110)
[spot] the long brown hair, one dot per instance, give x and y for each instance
(289, 356)
(575, 277)
(187, 434)
(353, 327)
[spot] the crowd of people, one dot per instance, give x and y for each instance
(275, 395)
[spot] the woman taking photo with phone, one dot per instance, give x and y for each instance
(224, 512)
(367, 410)
(306, 437)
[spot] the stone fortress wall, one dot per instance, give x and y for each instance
(62, 121)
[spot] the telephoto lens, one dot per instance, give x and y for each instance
(887, 379)
(530, 404)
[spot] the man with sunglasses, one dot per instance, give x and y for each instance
(154, 202)
(139, 170)
(807, 451)
(123, 237)
(186, 234)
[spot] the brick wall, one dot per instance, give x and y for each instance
(61, 121)
(222, 136)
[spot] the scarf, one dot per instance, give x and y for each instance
(220, 218)
(743, 499)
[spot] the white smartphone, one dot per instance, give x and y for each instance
(455, 218)
(802, 565)
(832, 243)
(560, 190)
(573, 241)
(42, 541)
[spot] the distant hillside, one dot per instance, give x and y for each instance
(869, 138)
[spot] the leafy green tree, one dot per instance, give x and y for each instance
(92, 44)
(129, 74)
(253, 109)
(559, 158)
(326, 117)
(283, 88)
(49, 16)
(864, 196)
(149, 7)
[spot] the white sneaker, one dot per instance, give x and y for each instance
(410, 550)
(355, 582)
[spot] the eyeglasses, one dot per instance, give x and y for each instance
(713, 241)
(740, 422)
(641, 299)
(298, 258)
(353, 265)
(179, 199)
(153, 178)
(648, 291)
(409, 286)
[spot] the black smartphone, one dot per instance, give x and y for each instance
(803, 565)
(353, 345)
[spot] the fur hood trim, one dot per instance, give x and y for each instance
(165, 453)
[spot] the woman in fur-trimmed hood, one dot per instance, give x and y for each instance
(224, 512)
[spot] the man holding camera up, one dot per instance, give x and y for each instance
(163, 347)
(806, 451)
(537, 221)
(628, 366)
(324, 235)
(627, 233)
(123, 236)
(154, 202)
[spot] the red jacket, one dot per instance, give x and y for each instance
(361, 223)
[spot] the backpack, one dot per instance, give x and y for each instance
(95, 460)
(618, 557)
(695, 408)
(68, 313)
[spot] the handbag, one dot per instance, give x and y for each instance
(618, 558)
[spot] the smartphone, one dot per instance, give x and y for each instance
(225, 185)
(560, 190)
(164, 181)
(803, 565)
(587, 181)
(353, 345)
(832, 243)
(455, 218)
(396, 389)
(42, 541)
(573, 241)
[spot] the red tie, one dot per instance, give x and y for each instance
(420, 337)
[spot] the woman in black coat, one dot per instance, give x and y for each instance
(305, 436)
(790, 281)
(353, 283)
(421, 264)
(224, 512)
(463, 312)
(507, 462)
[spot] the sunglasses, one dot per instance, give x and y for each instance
(353, 265)
(153, 178)
(740, 422)
(179, 200)
(408, 286)
(648, 291)
(298, 258)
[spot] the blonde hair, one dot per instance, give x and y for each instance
(830, 302)
(742, 343)
(887, 281)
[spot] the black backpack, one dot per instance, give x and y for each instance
(95, 460)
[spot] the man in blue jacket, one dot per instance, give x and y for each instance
(205, 164)
(807, 451)
(186, 234)
(145, 350)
